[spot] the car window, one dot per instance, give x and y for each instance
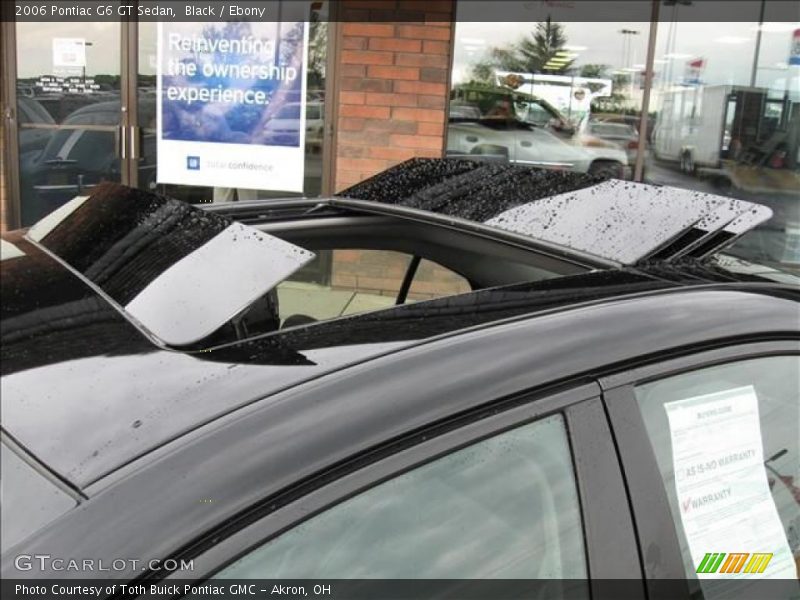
(93, 116)
(726, 441)
(536, 113)
(506, 507)
(434, 281)
(349, 281)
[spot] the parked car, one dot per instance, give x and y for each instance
(80, 154)
(160, 394)
(32, 139)
(623, 135)
(527, 144)
(282, 129)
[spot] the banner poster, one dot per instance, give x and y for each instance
(232, 98)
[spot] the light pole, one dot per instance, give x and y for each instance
(83, 69)
(627, 45)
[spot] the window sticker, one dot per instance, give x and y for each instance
(726, 507)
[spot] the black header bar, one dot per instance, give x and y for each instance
(402, 10)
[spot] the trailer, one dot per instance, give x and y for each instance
(701, 127)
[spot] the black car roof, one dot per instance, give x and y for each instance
(87, 389)
(87, 392)
(241, 461)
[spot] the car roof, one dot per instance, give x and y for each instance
(88, 388)
(88, 392)
(241, 460)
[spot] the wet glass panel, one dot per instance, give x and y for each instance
(726, 110)
(179, 271)
(68, 74)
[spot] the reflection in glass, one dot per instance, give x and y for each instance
(727, 121)
(557, 95)
(504, 508)
(68, 105)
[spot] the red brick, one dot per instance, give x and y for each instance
(366, 85)
(354, 15)
(367, 112)
(361, 164)
(392, 153)
(363, 138)
(345, 178)
(433, 75)
(368, 29)
(385, 72)
(428, 152)
(422, 32)
(444, 6)
(431, 128)
(421, 60)
(354, 43)
(417, 141)
(352, 71)
(420, 87)
(395, 45)
(418, 114)
(434, 47)
(438, 19)
(371, 4)
(346, 97)
(379, 99)
(352, 151)
(351, 124)
(390, 125)
(367, 57)
(424, 101)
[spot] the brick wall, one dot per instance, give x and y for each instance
(393, 84)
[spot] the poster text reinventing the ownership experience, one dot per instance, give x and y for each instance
(231, 104)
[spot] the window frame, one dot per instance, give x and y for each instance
(606, 520)
(662, 562)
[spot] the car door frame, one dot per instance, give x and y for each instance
(609, 538)
(661, 559)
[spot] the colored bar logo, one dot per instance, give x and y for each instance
(720, 562)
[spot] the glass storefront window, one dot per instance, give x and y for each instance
(68, 107)
(315, 117)
(723, 116)
(726, 108)
(551, 91)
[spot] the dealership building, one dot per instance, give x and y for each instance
(700, 94)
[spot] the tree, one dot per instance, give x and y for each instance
(594, 71)
(317, 53)
(543, 45)
(528, 55)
